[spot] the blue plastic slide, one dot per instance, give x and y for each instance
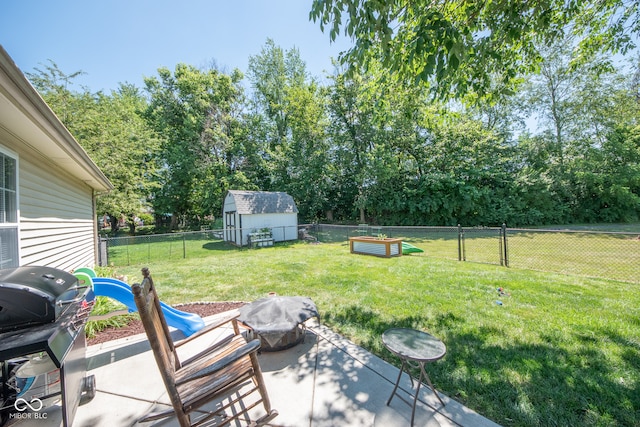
(187, 323)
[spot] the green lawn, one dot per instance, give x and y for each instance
(560, 351)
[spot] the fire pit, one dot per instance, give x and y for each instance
(278, 321)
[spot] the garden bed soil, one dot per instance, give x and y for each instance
(134, 327)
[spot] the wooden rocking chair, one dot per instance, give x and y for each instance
(220, 373)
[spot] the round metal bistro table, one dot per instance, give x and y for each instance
(415, 349)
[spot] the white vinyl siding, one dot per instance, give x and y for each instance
(283, 226)
(56, 219)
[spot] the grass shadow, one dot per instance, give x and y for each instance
(221, 245)
(525, 380)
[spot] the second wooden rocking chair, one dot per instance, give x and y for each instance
(224, 374)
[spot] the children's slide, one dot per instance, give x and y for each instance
(187, 323)
(408, 248)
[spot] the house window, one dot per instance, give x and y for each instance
(8, 211)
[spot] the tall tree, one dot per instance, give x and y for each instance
(126, 149)
(288, 124)
(581, 113)
(353, 131)
(310, 171)
(551, 95)
(272, 73)
(408, 160)
(58, 89)
(114, 134)
(197, 114)
(450, 169)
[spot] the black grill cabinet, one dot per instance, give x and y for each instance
(43, 309)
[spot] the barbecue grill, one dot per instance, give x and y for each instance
(43, 312)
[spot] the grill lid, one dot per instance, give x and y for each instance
(35, 295)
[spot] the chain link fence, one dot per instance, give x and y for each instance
(610, 255)
(154, 247)
(121, 251)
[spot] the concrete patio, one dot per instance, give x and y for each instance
(324, 381)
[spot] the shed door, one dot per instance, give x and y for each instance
(230, 226)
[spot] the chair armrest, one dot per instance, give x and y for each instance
(222, 320)
(223, 362)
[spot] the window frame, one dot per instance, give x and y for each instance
(10, 225)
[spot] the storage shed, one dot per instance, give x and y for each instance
(259, 218)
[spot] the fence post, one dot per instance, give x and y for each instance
(461, 255)
(184, 246)
(500, 246)
(103, 252)
(504, 245)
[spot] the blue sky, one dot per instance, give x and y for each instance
(116, 41)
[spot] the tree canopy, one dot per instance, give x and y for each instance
(461, 46)
(362, 147)
(196, 112)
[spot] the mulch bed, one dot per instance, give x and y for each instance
(134, 327)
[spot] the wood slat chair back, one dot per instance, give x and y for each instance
(225, 375)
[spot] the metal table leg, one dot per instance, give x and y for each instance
(414, 348)
(397, 382)
(423, 374)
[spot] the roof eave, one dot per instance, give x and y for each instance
(28, 118)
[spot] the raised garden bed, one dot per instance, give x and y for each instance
(385, 247)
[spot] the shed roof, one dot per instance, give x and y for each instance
(262, 202)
